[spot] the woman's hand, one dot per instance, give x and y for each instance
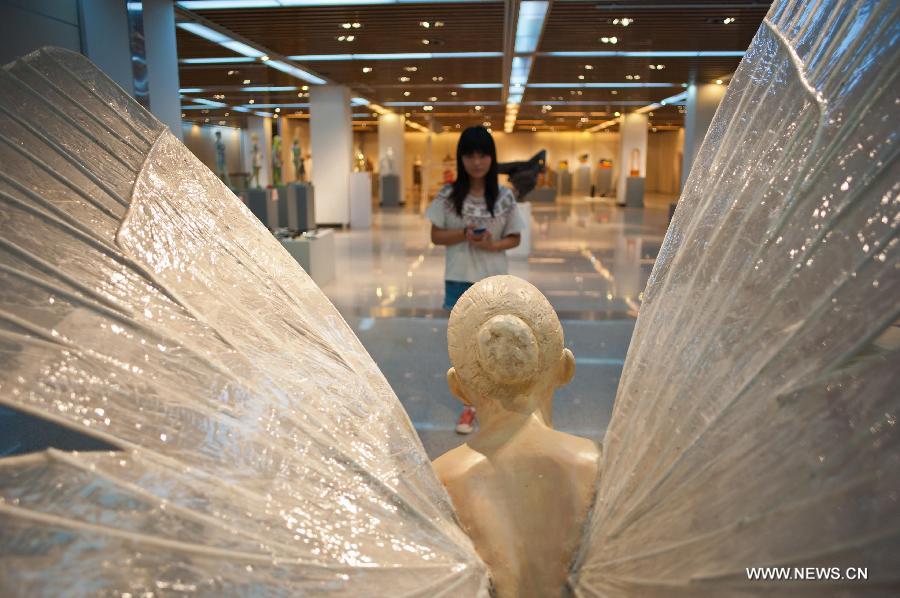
(483, 241)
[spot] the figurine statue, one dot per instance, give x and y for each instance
(360, 160)
(255, 161)
(297, 160)
(387, 162)
(221, 168)
(276, 161)
(523, 175)
(522, 490)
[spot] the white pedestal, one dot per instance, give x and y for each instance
(360, 200)
(524, 248)
(315, 253)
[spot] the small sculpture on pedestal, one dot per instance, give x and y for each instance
(255, 161)
(297, 160)
(635, 163)
(522, 489)
(276, 161)
(221, 167)
(387, 162)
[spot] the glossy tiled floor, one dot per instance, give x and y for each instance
(590, 258)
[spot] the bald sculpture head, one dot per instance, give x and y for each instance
(505, 343)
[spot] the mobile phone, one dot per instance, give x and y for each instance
(479, 231)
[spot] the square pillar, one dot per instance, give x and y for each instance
(331, 129)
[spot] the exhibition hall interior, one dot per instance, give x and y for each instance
(268, 328)
(350, 112)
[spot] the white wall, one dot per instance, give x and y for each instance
(664, 161)
(201, 140)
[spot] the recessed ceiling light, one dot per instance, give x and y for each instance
(346, 25)
(246, 81)
(479, 108)
(227, 113)
(403, 79)
(453, 93)
(718, 81)
(410, 69)
(432, 99)
(588, 67)
(232, 73)
(427, 108)
(457, 125)
(426, 42)
(425, 24)
(610, 40)
(437, 78)
(367, 69)
(728, 20)
(406, 93)
(278, 110)
(624, 22)
(617, 114)
(614, 92)
(264, 58)
(581, 77)
(356, 25)
(252, 101)
(305, 88)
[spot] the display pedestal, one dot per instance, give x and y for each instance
(360, 200)
(264, 205)
(390, 190)
(524, 248)
(565, 182)
(634, 192)
(541, 195)
(315, 253)
(604, 181)
(300, 207)
(583, 180)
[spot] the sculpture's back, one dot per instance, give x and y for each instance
(522, 490)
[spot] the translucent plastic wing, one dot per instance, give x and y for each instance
(261, 450)
(755, 423)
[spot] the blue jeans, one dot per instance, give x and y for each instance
(453, 290)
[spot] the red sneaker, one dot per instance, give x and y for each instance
(466, 421)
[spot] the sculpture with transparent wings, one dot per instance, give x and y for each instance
(258, 450)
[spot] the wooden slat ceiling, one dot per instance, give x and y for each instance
(572, 25)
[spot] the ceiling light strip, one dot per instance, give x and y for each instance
(395, 56)
(598, 85)
(227, 41)
(529, 28)
(647, 54)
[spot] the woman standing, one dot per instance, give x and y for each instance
(477, 220)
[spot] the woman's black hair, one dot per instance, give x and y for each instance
(472, 140)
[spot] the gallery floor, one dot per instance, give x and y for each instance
(589, 257)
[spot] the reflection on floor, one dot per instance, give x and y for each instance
(589, 257)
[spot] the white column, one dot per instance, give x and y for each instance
(162, 62)
(105, 39)
(331, 129)
(632, 136)
(391, 128)
(702, 102)
(261, 127)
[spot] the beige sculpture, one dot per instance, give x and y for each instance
(522, 489)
